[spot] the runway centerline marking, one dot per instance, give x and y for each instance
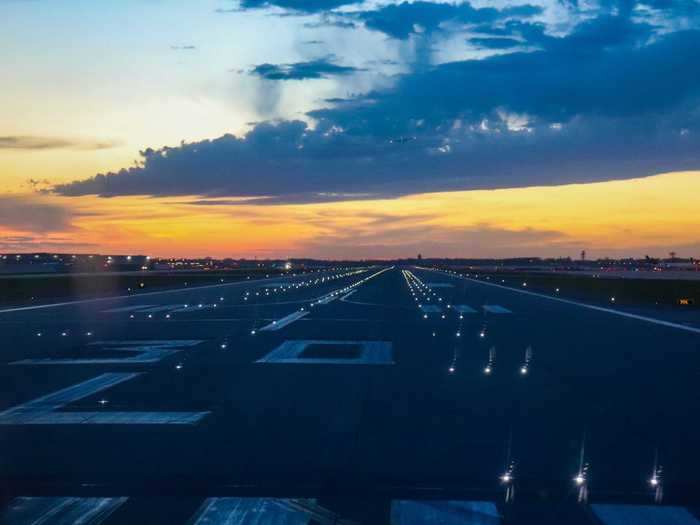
(281, 323)
(44, 410)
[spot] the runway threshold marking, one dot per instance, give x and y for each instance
(449, 512)
(44, 410)
(281, 323)
(643, 318)
(61, 510)
(233, 510)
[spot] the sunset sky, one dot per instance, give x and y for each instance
(350, 128)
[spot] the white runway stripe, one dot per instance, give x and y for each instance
(347, 295)
(431, 309)
(408, 512)
(162, 308)
(496, 309)
(257, 511)
(464, 309)
(128, 308)
(281, 323)
(327, 299)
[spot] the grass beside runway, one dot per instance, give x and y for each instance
(24, 290)
(627, 291)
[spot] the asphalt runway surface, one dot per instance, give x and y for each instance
(338, 393)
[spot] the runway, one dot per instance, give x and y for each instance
(354, 394)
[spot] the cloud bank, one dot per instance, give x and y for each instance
(617, 96)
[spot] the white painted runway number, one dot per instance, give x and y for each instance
(46, 410)
(134, 352)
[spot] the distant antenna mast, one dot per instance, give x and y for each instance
(583, 255)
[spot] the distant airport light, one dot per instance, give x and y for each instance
(487, 370)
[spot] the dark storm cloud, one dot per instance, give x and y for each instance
(402, 20)
(304, 6)
(321, 68)
(613, 99)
